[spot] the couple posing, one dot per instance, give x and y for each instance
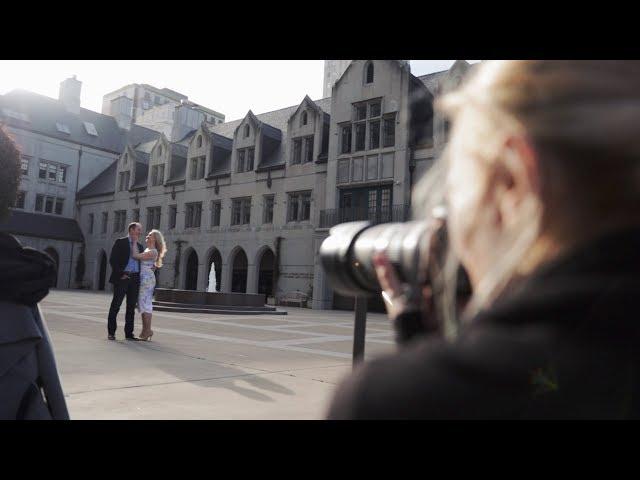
(133, 276)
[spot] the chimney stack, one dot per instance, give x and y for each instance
(70, 94)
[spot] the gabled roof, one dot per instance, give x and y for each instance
(45, 112)
(103, 184)
(306, 101)
(42, 226)
(277, 118)
(402, 64)
(432, 80)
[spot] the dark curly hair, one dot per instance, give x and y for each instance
(9, 172)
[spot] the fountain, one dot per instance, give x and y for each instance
(212, 301)
(212, 279)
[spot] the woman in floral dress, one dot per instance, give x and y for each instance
(149, 259)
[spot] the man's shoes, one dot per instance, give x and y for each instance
(111, 337)
(133, 338)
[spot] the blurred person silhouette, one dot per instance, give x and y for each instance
(541, 184)
(30, 386)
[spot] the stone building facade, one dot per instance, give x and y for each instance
(257, 196)
(64, 147)
(163, 110)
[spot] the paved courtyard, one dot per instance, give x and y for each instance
(202, 366)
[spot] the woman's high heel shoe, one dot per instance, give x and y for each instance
(146, 337)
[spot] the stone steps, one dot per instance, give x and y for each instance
(215, 309)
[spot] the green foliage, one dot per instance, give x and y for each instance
(9, 172)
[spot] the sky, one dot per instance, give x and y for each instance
(231, 87)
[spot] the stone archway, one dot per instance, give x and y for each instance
(191, 271)
(239, 270)
(56, 259)
(265, 272)
(216, 258)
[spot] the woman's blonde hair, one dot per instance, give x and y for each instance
(581, 118)
(161, 246)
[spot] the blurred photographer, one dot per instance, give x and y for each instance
(542, 177)
(29, 382)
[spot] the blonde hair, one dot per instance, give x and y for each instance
(161, 246)
(581, 118)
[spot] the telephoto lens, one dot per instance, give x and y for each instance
(347, 254)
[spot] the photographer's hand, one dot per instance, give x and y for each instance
(392, 293)
(410, 317)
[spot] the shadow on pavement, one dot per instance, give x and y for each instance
(225, 376)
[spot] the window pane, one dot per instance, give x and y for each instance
(48, 205)
(105, 220)
(51, 169)
(358, 169)
(294, 207)
(374, 109)
(246, 211)
(308, 157)
(172, 216)
(62, 174)
(161, 175)
(235, 212)
(372, 167)
(250, 153)
(374, 134)
(297, 151)
(20, 200)
(346, 139)
(39, 202)
(387, 166)
(198, 215)
(306, 206)
(240, 160)
(43, 170)
(194, 168)
(268, 209)
(25, 166)
(361, 112)
(389, 132)
(201, 167)
(360, 135)
(59, 205)
(343, 171)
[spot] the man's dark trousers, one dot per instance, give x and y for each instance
(124, 288)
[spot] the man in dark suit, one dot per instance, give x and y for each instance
(125, 277)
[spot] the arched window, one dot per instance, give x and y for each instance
(304, 118)
(160, 151)
(199, 141)
(369, 73)
(126, 157)
(247, 130)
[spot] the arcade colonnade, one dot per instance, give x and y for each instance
(239, 270)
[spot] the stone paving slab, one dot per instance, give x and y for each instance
(201, 366)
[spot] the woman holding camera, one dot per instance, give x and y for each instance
(543, 197)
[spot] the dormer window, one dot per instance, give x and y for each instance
(247, 131)
(199, 141)
(63, 128)
(369, 73)
(304, 118)
(90, 128)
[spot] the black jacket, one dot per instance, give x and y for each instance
(119, 258)
(566, 345)
(29, 382)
